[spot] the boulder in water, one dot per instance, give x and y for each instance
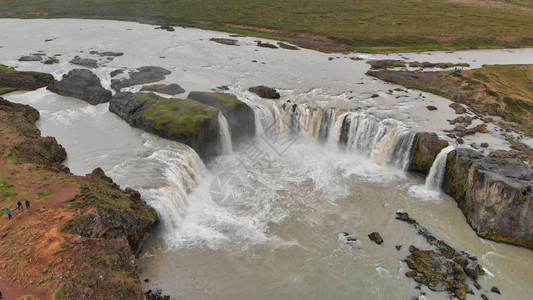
(185, 121)
(376, 237)
(169, 89)
(11, 80)
(240, 116)
(140, 76)
(494, 193)
(84, 62)
(265, 92)
(82, 84)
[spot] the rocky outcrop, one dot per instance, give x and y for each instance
(84, 62)
(185, 121)
(140, 76)
(427, 148)
(11, 80)
(241, 118)
(442, 268)
(385, 64)
(82, 84)
(169, 89)
(494, 194)
(265, 92)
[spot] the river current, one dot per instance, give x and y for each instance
(242, 227)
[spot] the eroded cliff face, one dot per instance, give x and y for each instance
(79, 238)
(428, 145)
(494, 194)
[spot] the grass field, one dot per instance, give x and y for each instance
(370, 26)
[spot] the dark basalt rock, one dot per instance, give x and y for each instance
(84, 62)
(266, 45)
(230, 42)
(376, 237)
(240, 116)
(431, 107)
(426, 150)
(385, 63)
(169, 89)
(31, 58)
(398, 247)
(11, 80)
(82, 84)
(116, 72)
(443, 268)
(51, 61)
(495, 290)
(140, 76)
(461, 130)
(107, 53)
(494, 193)
(459, 109)
(265, 92)
(185, 121)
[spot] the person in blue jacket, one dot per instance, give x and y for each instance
(8, 212)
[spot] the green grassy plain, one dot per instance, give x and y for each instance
(357, 25)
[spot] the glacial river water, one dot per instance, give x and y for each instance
(276, 234)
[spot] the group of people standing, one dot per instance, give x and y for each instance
(19, 207)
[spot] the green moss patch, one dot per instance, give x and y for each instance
(178, 118)
(43, 195)
(6, 69)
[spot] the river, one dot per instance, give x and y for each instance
(244, 228)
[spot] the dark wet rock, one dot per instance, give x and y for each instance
(186, 121)
(431, 107)
(230, 42)
(107, 53)
(31, 58)
(166, 27)
(398, 247)
(441, 268)
(84, 62)
(157, 295)
(461, 130)
(237, 35)
(374, 96)
(351, 239)
(484, 297)
(385, 63)
(410, 274)
(484, 145)
(265, 92)
(287, 46)
(460, 141)
(116, 72)
(345, 233)
(11, 80)
(266, 45)
(142, 75)
(451, 135)
(477, 285)
(494, 193)
(465, 120)
(169, 89)
(240, 116)
(82, 84)
(495, 290)
(459, 109)
(428, 146)
(426, 64)
(376, 237)
(51, 61)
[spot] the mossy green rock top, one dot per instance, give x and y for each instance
(186, 121)
(11, 80)
(427, 148)
(240, 116)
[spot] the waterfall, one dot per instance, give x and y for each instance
(182, 172)
(436, 173)
(404, 149)
(325, 124)
(224, 134)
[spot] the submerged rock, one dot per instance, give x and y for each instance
(169, 89)
(84, 62)
(82, 84)
(185, 121)
(142, 75)
(31, 58)
(265, 92)
(376, 237)
(240, 116)
(107, 53)
(51, 61)
(266, 45)
(427, 148)
(494, 193)
(230, 42)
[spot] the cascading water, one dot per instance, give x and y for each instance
(436, 173)
(224, 134)
(403, 151)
